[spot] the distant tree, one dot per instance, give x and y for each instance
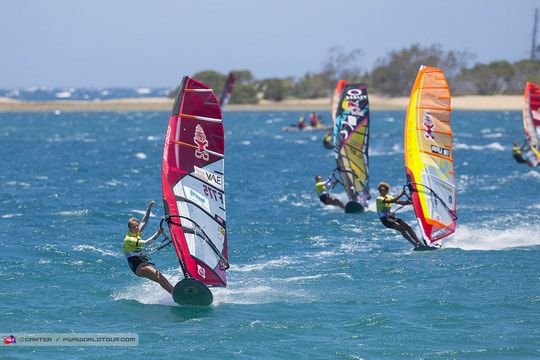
(244, 94)
(341, 64)
(312, 86)
(524, 70)
(244, 91)
(243, 77)
(489, 79)
(211, 78)
(275, 89)
(395, 74)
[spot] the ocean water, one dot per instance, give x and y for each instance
(307, 281)
(74, 93)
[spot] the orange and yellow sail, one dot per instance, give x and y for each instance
(429, 162)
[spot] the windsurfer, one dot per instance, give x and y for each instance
(328, 140)
(322, 192)
(314, 120)
(137, 260)
(517, 152)
(301, 123)
(388, 219)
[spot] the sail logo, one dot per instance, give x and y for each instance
(209, 177)
(440, 151)
(429, 125)
(356, 94)
(439, 232)
(197, 198)
(202, 143)
(201, 271)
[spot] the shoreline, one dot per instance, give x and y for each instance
(487, 103)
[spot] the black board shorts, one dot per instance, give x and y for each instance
(391, 222)
(323, 198)
(135, 261)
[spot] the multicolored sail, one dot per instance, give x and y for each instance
(351, 141)
(429, 161)
(193, 183)
(227, 90)
(531, 118)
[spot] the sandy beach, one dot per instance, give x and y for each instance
(497, 102)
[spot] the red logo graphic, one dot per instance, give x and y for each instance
(201, 142)
(8, 340)
(428, 124)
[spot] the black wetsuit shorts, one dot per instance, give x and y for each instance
(135, 261)
(391, 222)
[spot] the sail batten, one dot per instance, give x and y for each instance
(196, 117)
(428, 154)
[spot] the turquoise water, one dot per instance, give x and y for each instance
(306, 281)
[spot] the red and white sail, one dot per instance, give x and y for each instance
(193, 183)
(531, 117)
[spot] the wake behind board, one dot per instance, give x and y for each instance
(353, 207)
(192, 292)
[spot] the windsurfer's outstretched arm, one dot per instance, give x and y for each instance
(146, 216)
(153, 237)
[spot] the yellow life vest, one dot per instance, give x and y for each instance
(383, 208)
(132, 244)
(320, 188)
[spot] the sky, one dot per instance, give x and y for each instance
(153, 43)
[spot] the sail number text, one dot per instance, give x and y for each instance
(213, 194)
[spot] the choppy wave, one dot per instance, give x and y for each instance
(7, 216)
(274, 263)
(74, 213)
(495, 146)
(397, 148)
(86, 248)
(17, 184)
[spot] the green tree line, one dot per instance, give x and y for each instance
(392, 75)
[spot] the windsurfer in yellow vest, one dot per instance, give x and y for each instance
(137, 260)
(322, 192)
(517, 152)
(384, 204)
(328, 140)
